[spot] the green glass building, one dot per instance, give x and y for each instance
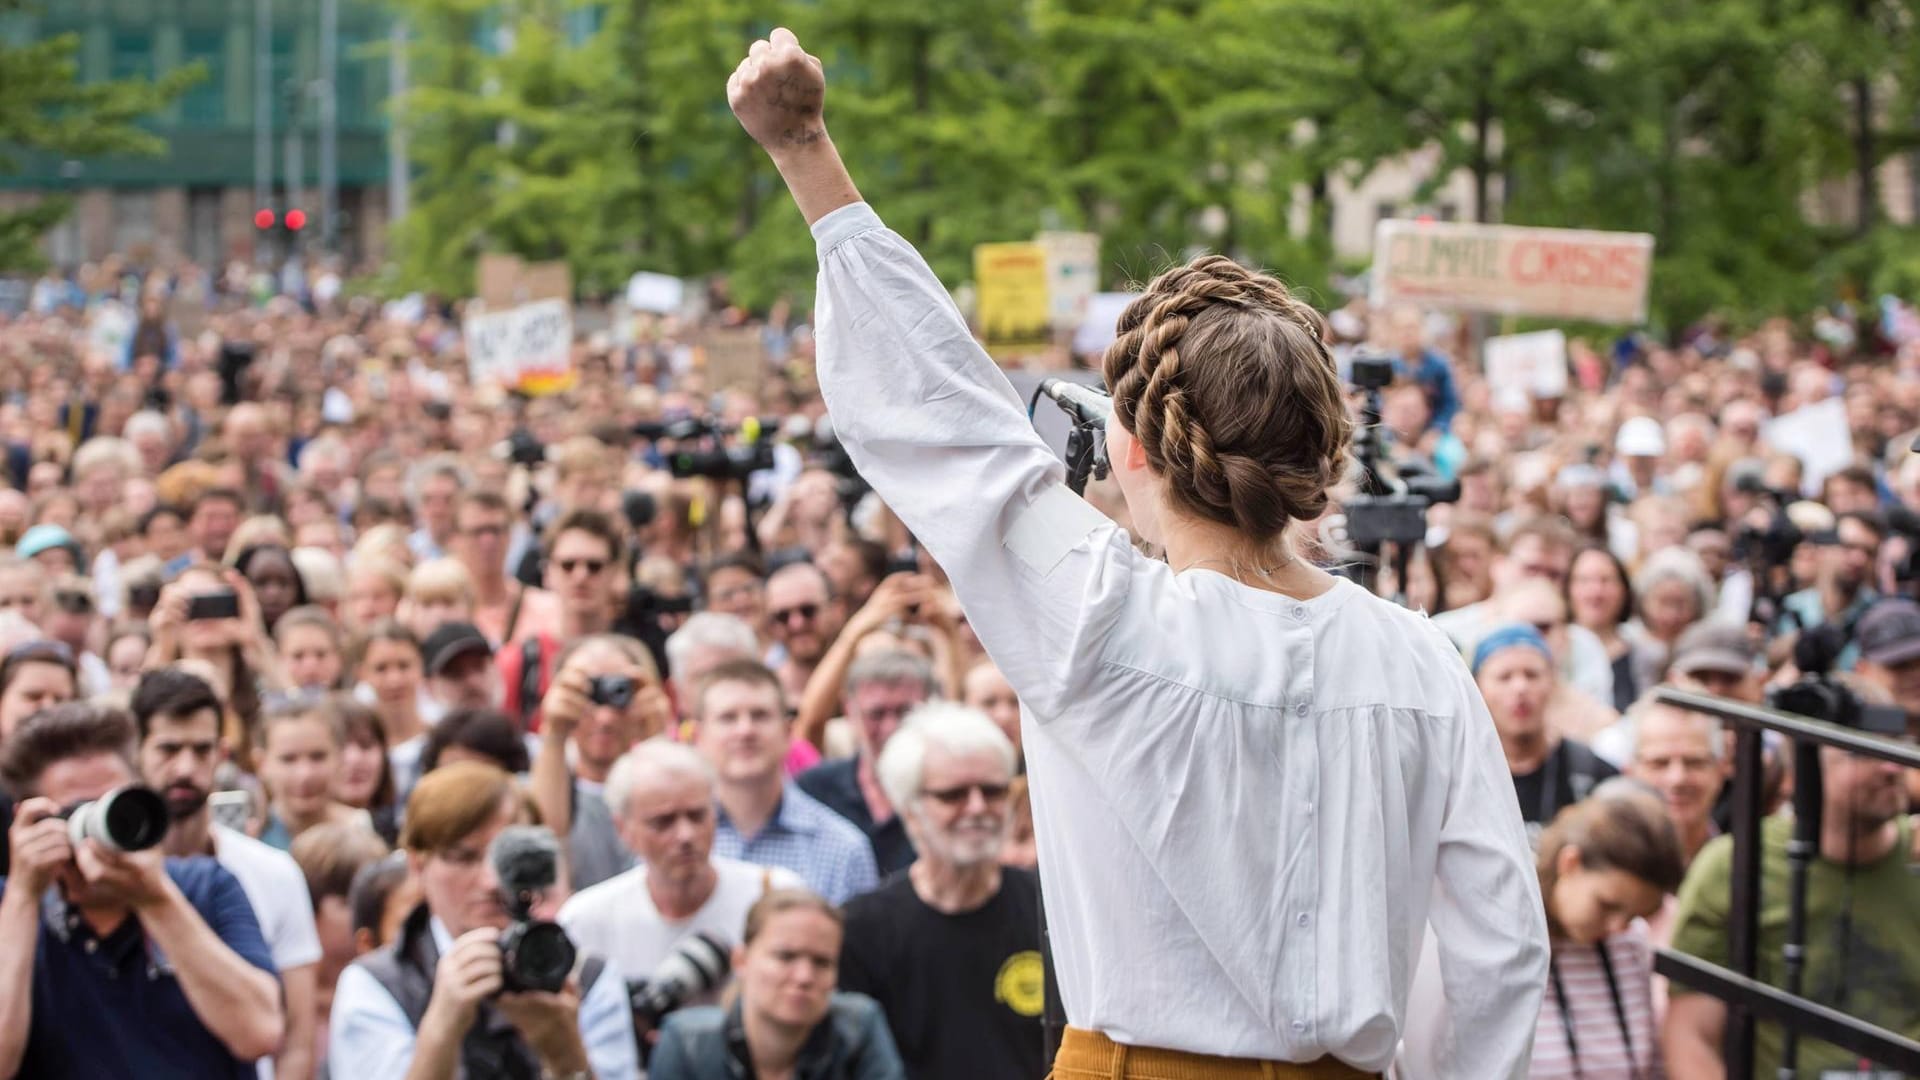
(199, 199)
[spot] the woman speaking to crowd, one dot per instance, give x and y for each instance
(1254, 785)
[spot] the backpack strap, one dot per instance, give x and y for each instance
(532, 653)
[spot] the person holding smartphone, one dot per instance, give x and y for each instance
(1255, 785)
(178, 718)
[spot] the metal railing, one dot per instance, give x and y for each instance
(1748, 999)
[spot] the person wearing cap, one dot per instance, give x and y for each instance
(1514, 668)
(459, 666)
(1843, 582)
(1888, 637)
(1862, 951)
(54, 548)
(1638, 447)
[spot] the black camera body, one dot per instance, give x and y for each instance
(721, 462)
(1819, 696)
(613, 691)
(534, 954)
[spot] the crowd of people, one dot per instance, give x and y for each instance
(354, 617)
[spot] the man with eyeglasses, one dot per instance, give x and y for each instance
(802, 620)
(662, 797)
(951, 948)
(879, 691)
(504, 609)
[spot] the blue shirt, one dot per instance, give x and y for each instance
(829, 852)
(1435, 376)
(112, 1007)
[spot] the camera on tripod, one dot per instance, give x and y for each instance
(1391, 507)
(1817, 695)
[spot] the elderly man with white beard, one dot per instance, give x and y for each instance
(950, 948)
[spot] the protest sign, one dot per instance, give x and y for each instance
(1073, 273)
(1536, 362)
(1818, 435)
(110, 328)
(1100, 323)
(1508, 270)
(734, 358)
(658, 293)
(529, 347)
(1012, 283)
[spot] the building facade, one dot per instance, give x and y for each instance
(198, 200)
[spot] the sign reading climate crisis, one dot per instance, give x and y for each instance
(1510, 270)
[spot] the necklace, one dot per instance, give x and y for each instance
(1237, 568)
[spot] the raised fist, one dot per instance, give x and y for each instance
(778, 91)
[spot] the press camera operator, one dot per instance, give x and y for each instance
(434, 1003)
(114, 960)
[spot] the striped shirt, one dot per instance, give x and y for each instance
(1596, 1024)
(829, 853)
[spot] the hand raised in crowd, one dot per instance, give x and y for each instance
(468, 974)
(568, 699)
(778, 92)
(903, 597)
(40, 847)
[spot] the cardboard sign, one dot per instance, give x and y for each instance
(1014, 314)
(734, 358)
(1073, 273)
(504, 281)
(529, 347)
(1536, 362)
(658, 293)
(1508, 270)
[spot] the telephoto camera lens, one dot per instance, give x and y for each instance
(125, 819)
(535, 955)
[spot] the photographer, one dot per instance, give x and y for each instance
(118, 963)
(1862, 948)
(431, 1003)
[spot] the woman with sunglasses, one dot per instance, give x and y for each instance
(1285, 778)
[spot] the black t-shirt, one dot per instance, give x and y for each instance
(1569, 774)
(962, 993)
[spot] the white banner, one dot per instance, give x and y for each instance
(1536, 362)
(505, 347)
(658, 293)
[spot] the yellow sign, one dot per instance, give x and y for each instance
(1015, 316)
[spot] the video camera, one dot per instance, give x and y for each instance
(534, 954)
(717, 459)
(1391, 507)
(1817, 695)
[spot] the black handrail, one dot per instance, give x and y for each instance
(1748, 999)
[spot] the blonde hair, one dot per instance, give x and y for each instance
(1223, 377)
(440, 579)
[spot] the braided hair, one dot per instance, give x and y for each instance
(1223, 377)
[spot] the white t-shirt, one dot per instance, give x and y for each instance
(278, 892)
(617, 918)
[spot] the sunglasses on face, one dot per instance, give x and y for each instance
(806, 612)
(958, 796)
(592, 566)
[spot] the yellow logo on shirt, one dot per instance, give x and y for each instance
(1021, 983)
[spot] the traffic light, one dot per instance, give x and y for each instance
(296, 220)
(263, 219)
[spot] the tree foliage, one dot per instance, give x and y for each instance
(1169, 126)
(45, 107)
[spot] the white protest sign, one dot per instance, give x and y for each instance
(1536, 362)
(109, 328)
(658, 293)
(1510, 270)
(1100, 323)
(1073, 273)
(1816, 434)
(532, 340)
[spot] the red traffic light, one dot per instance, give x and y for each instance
(296, 220)
(263, 219)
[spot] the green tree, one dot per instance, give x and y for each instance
(44, 107)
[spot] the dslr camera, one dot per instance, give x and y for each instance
(131, 818)
(614, 691)
(534, 954)
(1819, 696)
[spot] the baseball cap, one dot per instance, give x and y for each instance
(1640, 436)
(449, 641)
(1716, 646)
(1889, 633)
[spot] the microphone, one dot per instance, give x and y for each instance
(1085, 404)
(526, 858)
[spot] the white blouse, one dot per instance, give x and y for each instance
(1248, 807)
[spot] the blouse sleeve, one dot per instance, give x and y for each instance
(933, 424)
